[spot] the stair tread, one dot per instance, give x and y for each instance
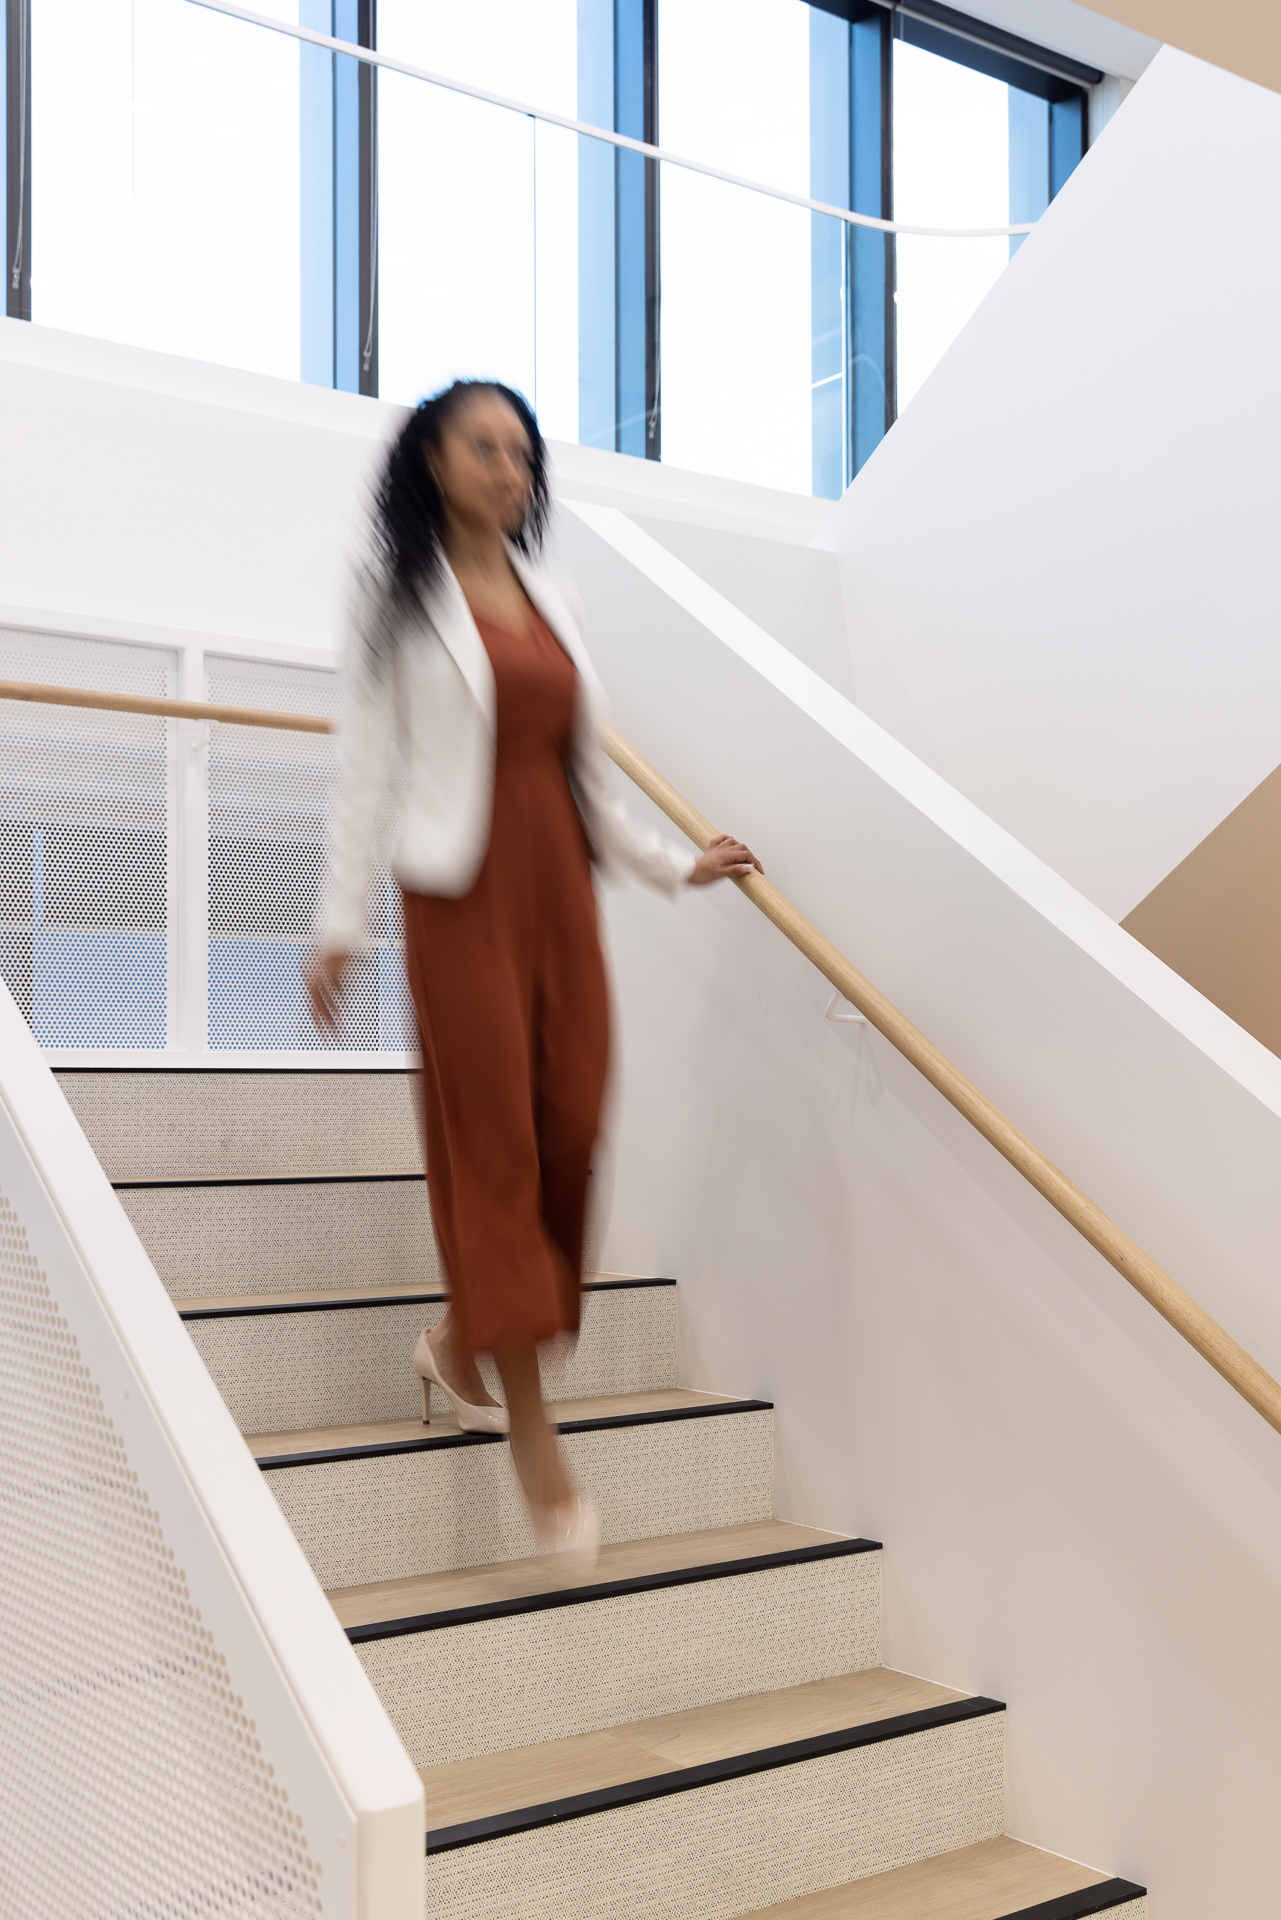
(518, 1579)
(497, 1783)
(989, 1881)
(321, 1297)
(382, 1433)
(334, 1177)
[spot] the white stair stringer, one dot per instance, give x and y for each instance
(493, 1684)
(383, 1516)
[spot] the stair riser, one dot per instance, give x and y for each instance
(286, 1239)
(389, 1516)
(492, 1685)
(175, 1125)
(285, 1371)
(743, 1844)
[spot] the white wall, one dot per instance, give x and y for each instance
(1080, 1518)
(144, 491)
(793, 591)
(1059, 566)
(152, 491)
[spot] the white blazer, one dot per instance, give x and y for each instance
(432, 706)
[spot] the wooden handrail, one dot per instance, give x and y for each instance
(1224, 1354)
(163, 709)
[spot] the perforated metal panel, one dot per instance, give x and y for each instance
(86, 847)
(268, 807)
(133, 1778)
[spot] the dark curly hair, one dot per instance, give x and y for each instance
(408, 520)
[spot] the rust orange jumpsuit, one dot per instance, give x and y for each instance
(510, 992)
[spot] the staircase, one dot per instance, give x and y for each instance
(704, 1729)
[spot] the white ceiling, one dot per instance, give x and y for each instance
(1069, 29)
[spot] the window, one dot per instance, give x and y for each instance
(211, 187)
(981, 138)
(478, 261)
(165, 203)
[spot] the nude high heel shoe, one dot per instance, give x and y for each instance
(572, 1532)
(470, 1419)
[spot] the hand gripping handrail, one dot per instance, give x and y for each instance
(1224, 1354)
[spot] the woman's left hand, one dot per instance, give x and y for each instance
(726, 858)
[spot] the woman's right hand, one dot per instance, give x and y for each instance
(725, 858)
(323, 978)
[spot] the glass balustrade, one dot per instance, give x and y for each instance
(213, 188)
(166, 181)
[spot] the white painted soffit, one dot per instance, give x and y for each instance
(1219, 1038)
(1063, 27)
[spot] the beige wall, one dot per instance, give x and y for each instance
(1242, 35)
(1217, 918)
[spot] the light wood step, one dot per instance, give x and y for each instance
(503, 1783)
(391, 1499)
(269, 1177)
(220, 1306)
(717, 1811)
(306, 1360)
(223, 1306)
(484, 1659)
(997, 1880)
(312, 1444)
(464, 1592)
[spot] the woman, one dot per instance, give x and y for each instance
(466, 658)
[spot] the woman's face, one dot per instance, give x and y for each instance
(484, 465)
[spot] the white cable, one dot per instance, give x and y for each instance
(372, 58)
(24, 85)
(367, 351)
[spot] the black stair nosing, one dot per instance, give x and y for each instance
(263, 1072)
(711, 1773)
(252, 1310)
(617, 1282)
(428, 1443)
(542, 1602)
(186, 1180)
(1085, 1901)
